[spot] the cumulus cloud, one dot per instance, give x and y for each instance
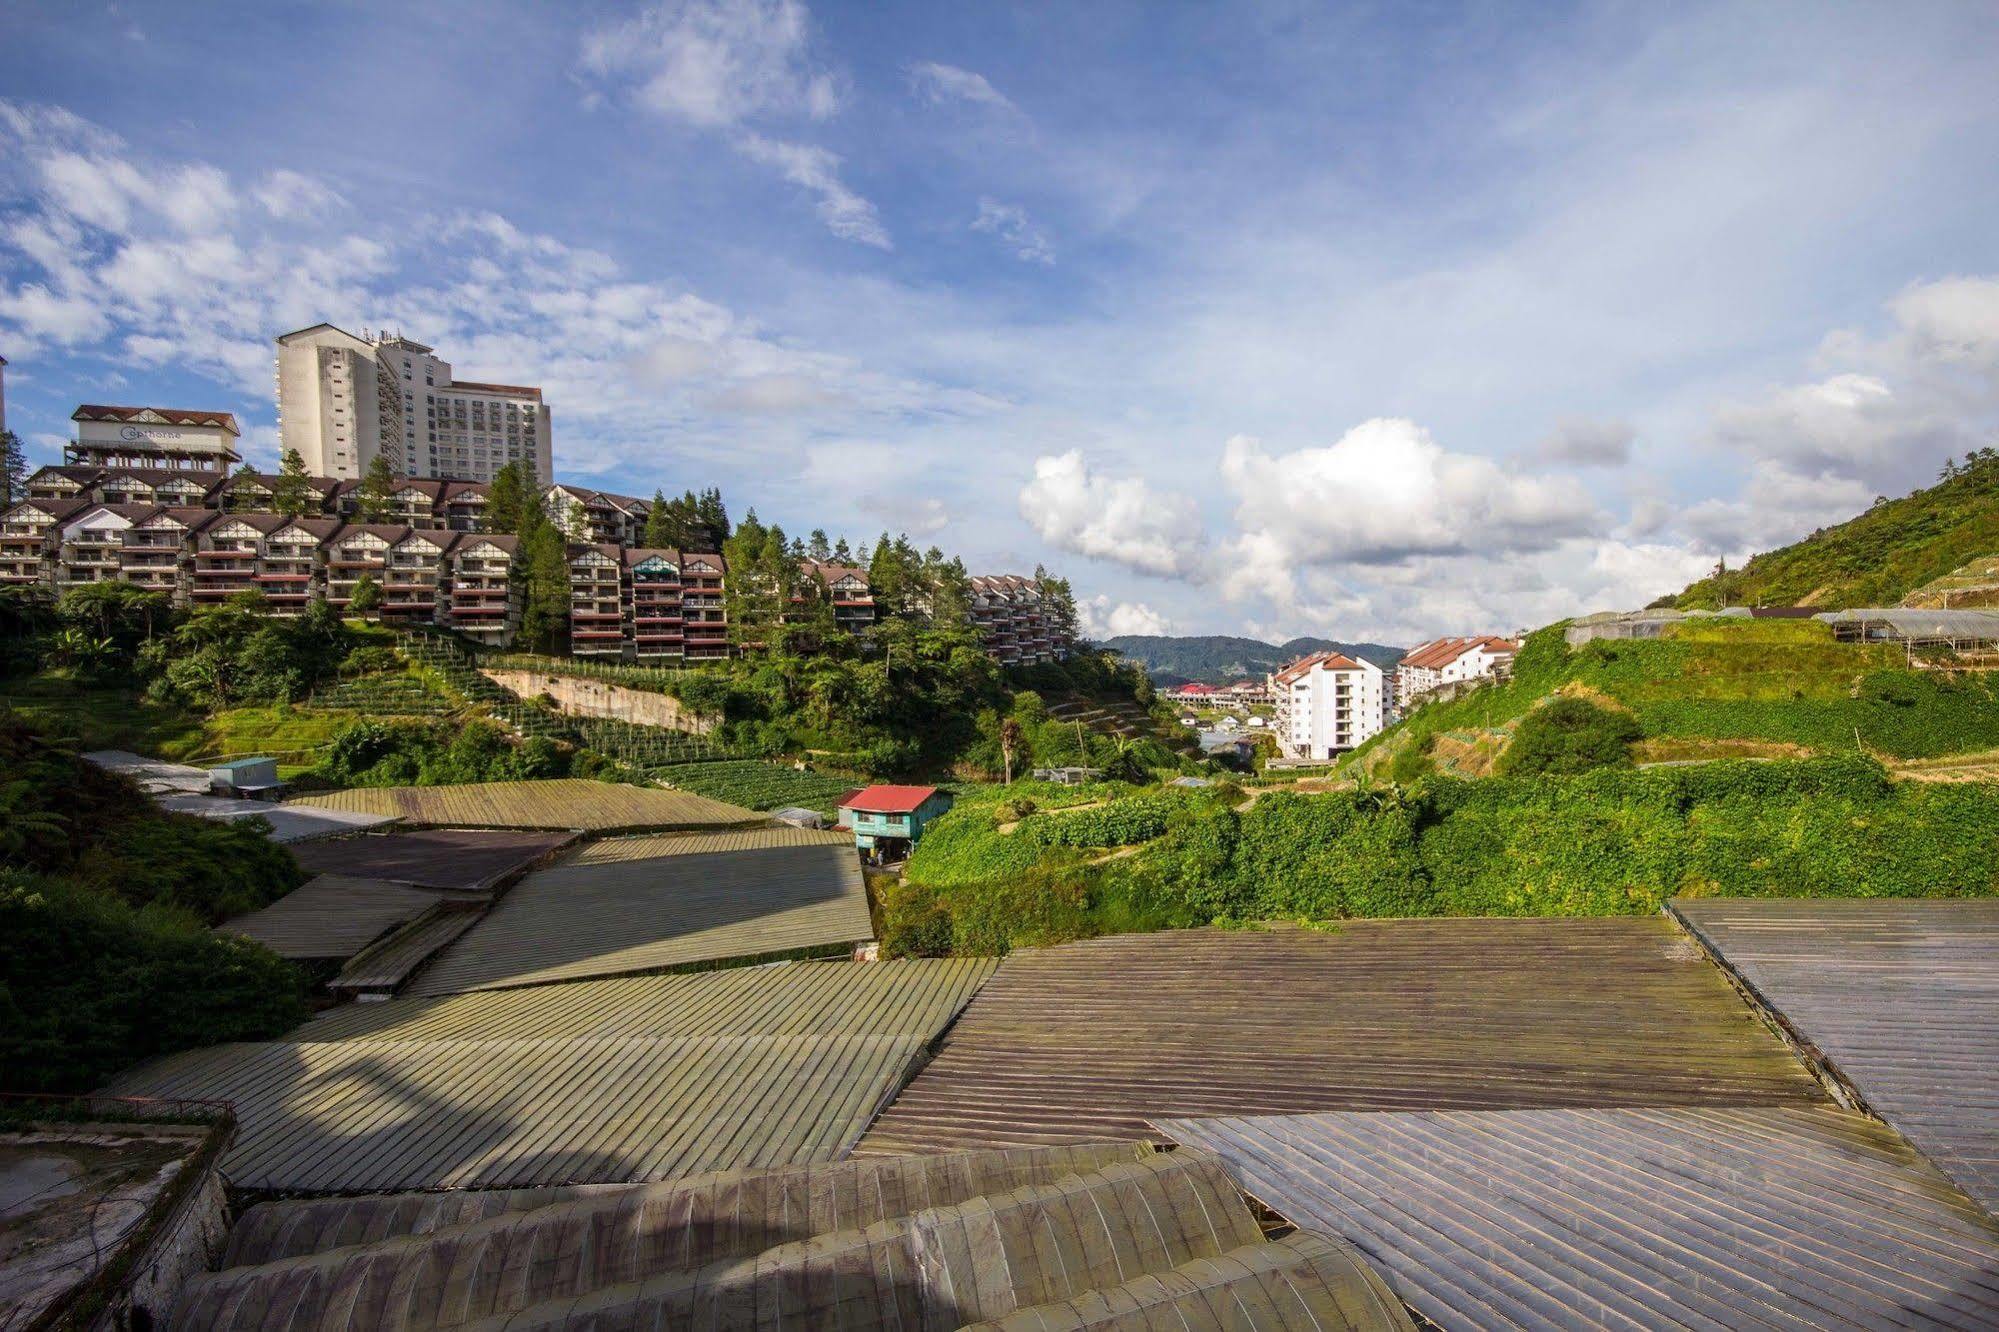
(845, 213)
(1119, 519)
(1100, 617)
(1010, 223)
(937, 83)
(1582, 442)
(715, 63)
(1385, 493)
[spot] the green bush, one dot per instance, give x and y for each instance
(89, 985)
(1609, 841)
(373, 753)
(1568, 736)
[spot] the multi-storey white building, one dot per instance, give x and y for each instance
(1443, 661)
(1326, 704)
(343, 399)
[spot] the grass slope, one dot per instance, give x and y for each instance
(1875, 559)
(1714, 688)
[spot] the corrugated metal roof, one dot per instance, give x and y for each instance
(747, 1252)
(1095, 1039)
(312, 1255)
(1906, 622)
(827, 1196)
(637, 1079)
(1900, 998)
(561, 803)
(1712, 1217)
(652, 846)
(334, 916)
(623, 917)
(434, 858)
(381, 968)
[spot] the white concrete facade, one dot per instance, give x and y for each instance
(1327, 704)
(343, 400)
(1443, 661)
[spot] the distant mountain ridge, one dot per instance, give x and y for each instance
(1213, 658)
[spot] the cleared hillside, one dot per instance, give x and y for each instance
(1714, 688)
(1876, 559)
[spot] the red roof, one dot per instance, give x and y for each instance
(1331, 661)
(1197, 689)
(1440, 652)
(91, 411)
(888, 799)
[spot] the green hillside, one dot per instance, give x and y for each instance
(1712, 688)
(1877, 559)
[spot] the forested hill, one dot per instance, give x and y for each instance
(1895, 549)
(1217, 657)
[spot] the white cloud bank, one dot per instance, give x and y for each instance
(1100, 617)
(1119, 519)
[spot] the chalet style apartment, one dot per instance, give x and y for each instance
(1446, 661)
(1012, 622)
(146, 497)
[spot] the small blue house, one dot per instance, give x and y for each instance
(888, 820)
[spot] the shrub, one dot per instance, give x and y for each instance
(89, 985)
(1570, 735)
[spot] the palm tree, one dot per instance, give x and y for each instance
(1010, 734)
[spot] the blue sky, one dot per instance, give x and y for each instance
(1363, 321)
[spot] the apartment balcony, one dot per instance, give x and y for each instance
(368, 566)
(460, 612)
(218, 555)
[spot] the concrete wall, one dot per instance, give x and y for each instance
(599, 698)
(189, 1243)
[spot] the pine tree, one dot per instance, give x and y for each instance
(544, 565)
(366, 597)
(819, 548)
(660, 532)
(291, 493)
(507, 500)
(713, 515)
(375, 496)
(13, 469)
(842, 552)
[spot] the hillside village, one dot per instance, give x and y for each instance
(1106, 668)
(647, 831)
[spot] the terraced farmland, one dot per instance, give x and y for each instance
(758, 785)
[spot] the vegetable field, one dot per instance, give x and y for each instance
(756, 785)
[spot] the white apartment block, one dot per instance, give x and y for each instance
(1443, 661)
(343, 400)
(1327, 704)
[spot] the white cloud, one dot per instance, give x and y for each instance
(1101, 618)
(730, 65)
(936, 83)
(1583, 442)
(900, 512)
(1954, 320)
(716, 63)
(775, 395)
(1010, 223)
(845, 213)
(1776, 506)
(290, 194)
(1120, 519)
(1384, 494)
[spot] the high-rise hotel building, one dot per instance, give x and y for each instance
(343, 399)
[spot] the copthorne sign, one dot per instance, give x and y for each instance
(154, 434)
